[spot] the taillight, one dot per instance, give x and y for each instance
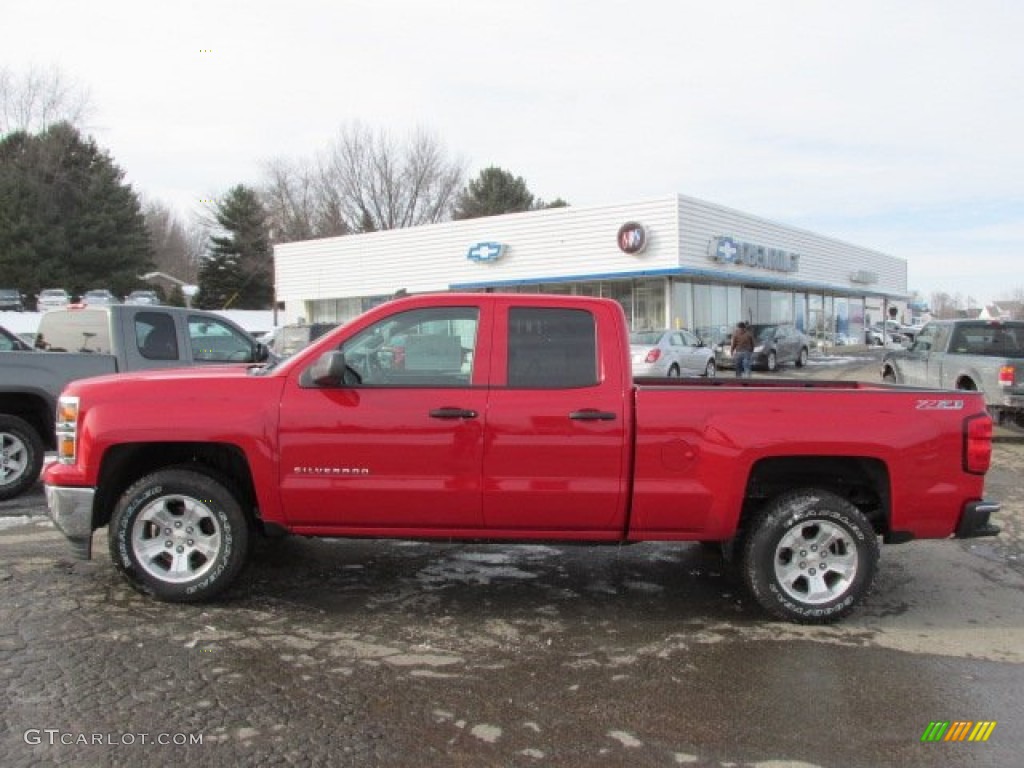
(653, 355)
(977, 444)
(1006, 376)
(67, 429)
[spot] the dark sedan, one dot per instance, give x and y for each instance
(774, 344)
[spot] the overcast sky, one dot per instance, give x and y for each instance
(895, 125)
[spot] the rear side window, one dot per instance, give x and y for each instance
(991, 339)
(551, 348)
(155, 336)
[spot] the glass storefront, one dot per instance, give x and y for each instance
(710, 310)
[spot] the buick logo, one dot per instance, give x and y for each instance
(632, 238)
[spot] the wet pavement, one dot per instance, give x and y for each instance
(365, 653)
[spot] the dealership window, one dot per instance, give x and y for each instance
(716, 309)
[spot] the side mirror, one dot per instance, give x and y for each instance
(260, 353)
(329, 370)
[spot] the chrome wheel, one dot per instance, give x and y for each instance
(816, 562)
(176, 539)
(21, 456)
(810, 556)
(14, 458)
(710, 370)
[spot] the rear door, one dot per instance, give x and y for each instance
(556, 439)
(692, 354)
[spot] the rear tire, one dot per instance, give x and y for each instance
(810, 558)
(710, 370)
(801, 359)
(773, 361)
(179, 535)
(21, 456)
(673, 372)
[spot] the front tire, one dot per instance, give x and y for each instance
(710, 370)
(810, 558)
(21, 456)
(673, 372)
(801, 359)
(179, 535)
(773, 361)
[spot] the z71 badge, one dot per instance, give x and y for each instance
(940, 405)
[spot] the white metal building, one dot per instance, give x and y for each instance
(671, 262)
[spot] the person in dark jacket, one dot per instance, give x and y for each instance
(741, 347)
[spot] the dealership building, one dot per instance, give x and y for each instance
(671, 262)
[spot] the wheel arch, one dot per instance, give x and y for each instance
(863, 481)
(966, 382)
(34, 409)
(123, 465)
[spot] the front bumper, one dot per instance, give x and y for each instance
(974, 520)
(71, 511)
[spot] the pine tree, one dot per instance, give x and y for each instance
(67, 218)
(496, 191)
(238, 272)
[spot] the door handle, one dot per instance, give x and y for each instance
(452, 413)
(590, 414)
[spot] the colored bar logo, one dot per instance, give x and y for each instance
(958, 730)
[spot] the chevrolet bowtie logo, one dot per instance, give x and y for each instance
(485, 252)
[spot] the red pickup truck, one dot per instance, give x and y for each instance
(513, 417)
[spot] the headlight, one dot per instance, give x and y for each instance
(67, 429)
(759, 348)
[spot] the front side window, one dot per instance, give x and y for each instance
(213, 341)
(551, 348)
(420, 348)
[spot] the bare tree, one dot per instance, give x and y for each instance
(364, 182)
(37, 98)
(177, 248)
(296, 206)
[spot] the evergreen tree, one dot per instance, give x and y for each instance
(238, 272)
(67, 218)
(494, 192)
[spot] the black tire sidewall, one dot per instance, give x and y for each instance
(780, 517)
(14, 425)
(772, 362)
(222, 503)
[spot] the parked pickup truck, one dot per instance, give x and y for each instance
(90, 342)
(512, 417)
(975, 355)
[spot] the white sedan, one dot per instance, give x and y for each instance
(670, 353)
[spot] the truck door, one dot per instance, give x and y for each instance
(914, 364)
(555, 455)
(399, 446)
